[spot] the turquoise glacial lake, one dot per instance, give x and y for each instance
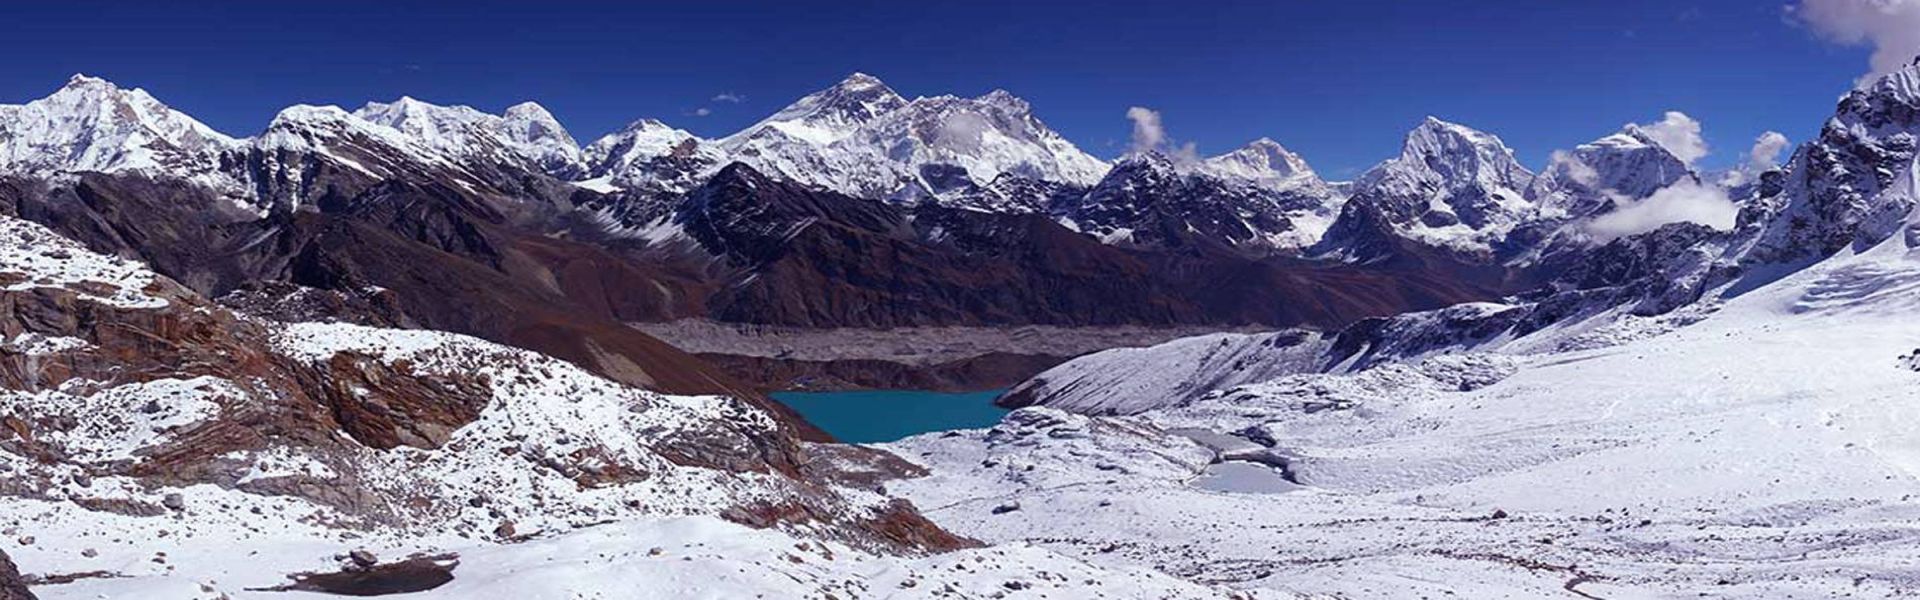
(867, 417)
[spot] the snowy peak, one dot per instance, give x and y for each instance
(988, 136)
(1150, 165)
(639, 141)
(985, 137)
(1457, 153)
(527, 135)
(309, 128)
(861, 138)
(1266, 162)
(651, 155)
(828, 115)
(1899, 88)
(1238, 199)
(1006, 99)
(1150, 173)
(1627, 164)
(1452, 187)
(1439, 155)
(538, 135)
(1853, 186)
(90, 124)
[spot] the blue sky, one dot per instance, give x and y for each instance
(1339, 81)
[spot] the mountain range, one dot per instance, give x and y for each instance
(654, 225)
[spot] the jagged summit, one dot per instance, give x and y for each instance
(862, 138)
(91, 124)
(81, 80)
(1452, 188)
(828, 115)
(1267, 162)
(1455, 152)
(859, 80)
(526, 135)
(1850, 187)
(1594, 177)
(1259, 199)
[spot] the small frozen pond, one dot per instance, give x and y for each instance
(1244, 478)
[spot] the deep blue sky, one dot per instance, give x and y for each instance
(1337, 80)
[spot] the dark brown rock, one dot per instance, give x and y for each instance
(12, 586)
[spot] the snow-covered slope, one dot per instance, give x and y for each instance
(1767, 451)
(694, 558)
(1135, 380)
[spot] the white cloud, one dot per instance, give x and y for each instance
(1892, 27)
(1679, 134)
(730, 98)
(1574, 169)
(1766, 151)
(1148, 134)
(1685, 201)
(702, 111)
(963, 131)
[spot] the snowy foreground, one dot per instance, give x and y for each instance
(1768, 451)
(239, 555)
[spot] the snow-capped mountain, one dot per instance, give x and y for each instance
(526, 135)
(1586, 184)
(1854, 185)
(1452, 188)
(91, 124)
(861, 138)
(823, 117)
(653, 156)
(1593, 177)
(796, 142)
(1259, 198)
(1268, 164)
(306, 147)
(987, 137)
